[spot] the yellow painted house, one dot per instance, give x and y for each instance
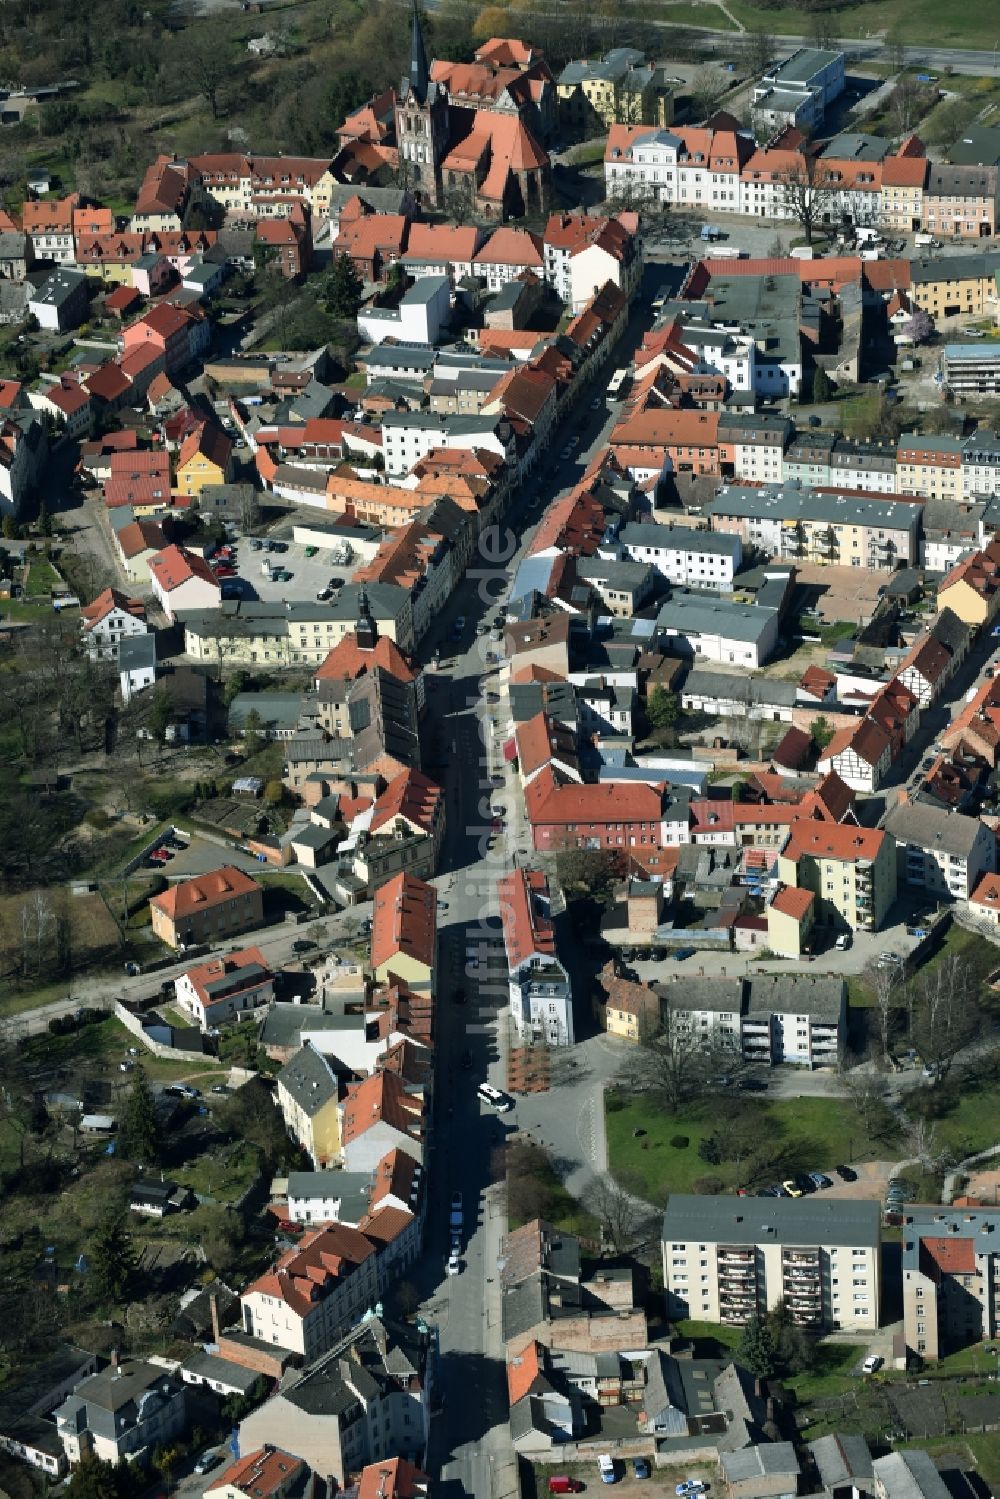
(850, 870)
(206, 457)
(404, 932)
(631, 1010)
(972, 588)
(620, 89)
(790, 919)
(309, 1100)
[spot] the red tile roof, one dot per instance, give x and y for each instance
(514, 247)
(204, 974)
(176, 565)
(206, 441)
(261, 1474)
(348, 661)
(793, 903)
(840, 841)
(522, 1371)
(382, 1098)
(204, 891)
(951, 1255)
(441, 242)
(412, 796)
(105, 602)
(321, 1260)
(526, 930)
(866, 739)
(404, 920)
(987, 892)
(609, 802)
(392, 1478)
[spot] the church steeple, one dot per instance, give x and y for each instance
(415, 84)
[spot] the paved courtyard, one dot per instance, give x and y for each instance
(308, 574)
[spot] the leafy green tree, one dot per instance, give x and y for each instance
(112, 1257)
(95, 1478)
(821, 731)
(343, 289)
(160, 713)
(792, 1345)
(141, 1136)
(253, 736)
(756, 1349)
(821, 384)
(662, 708)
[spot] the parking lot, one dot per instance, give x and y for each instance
(308, 574)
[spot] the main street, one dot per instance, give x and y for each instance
(470, 1447)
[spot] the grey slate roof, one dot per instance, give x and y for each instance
(793, 501)
(794, 994)
(764, 1220)
(309, 1080)
(766, 1459)
(697, 614)
(352, 1189)
(703, 994)
(739, 688)
(909, 1475)
(679, 538)
(136, 652)
(221, 1371)
(843, 1458)
(927, 828)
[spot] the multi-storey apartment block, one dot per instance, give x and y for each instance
(725, 1258)
(951, 1278)
(850, 870)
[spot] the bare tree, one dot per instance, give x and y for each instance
(945, 1016)
(867, 1091)
(922, 1142)
(895, 47)
(618, 1211)
(808, 193)
(883, 982)
(678, 1064)
(759, 52)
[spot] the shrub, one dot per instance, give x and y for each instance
(614, 1103)
(680, 1142)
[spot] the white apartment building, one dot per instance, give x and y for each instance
(408, 436)
(942, 852)
(541, 998)
(109, 620)
(798, 1021)
(725, 1258)
(315, 1292)
(981, 465)
(690, 559)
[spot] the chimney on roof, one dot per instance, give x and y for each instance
(114, 1358)
(213, 1303)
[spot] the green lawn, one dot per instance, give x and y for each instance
(42, 578)
(964, 24)
(971, 1125)
(690, 13)
(816, 1134)
(830, 1375)
(224, 1174)
(710, 1339)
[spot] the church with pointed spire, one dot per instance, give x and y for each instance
(479, 161)
(423, 128)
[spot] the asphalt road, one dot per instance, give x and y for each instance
(470, 1443)
(276, 943)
